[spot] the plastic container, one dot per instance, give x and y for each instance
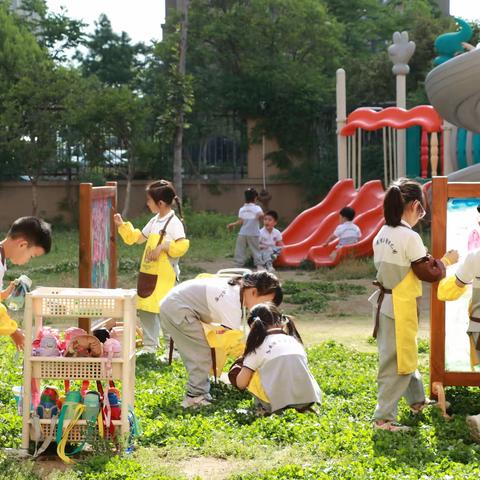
(16, 300)
(17, 394)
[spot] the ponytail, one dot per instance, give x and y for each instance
(180, 210)
(291, 328)
(401, 192)
(393, 206)
(257, 335)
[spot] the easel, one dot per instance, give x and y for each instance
(439, 377)
(97, 207)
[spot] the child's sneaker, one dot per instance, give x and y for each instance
(473, 424)
(197, 402)
(390, 426)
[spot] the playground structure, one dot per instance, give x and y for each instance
(417, 143)
(304, 237)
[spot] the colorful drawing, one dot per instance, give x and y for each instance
(101, 211)
(462, 235)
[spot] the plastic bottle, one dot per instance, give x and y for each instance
(16, 300)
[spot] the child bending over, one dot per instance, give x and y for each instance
(274, 366)
(28, 237)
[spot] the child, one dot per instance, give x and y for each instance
(452, 288)
(274, 366)
(165, 241)
(249, 217)
(28, 237)
(402, 262)
(347, 232)
(207, 300)
(271, 241)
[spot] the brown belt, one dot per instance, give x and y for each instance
(381, 296)
(475, 319)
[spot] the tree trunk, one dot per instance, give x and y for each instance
(177, 157)
(128, 189)
(182, 7)
(34, 182)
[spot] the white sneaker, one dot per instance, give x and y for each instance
(473, 424)
(197, 402)
(146, 351)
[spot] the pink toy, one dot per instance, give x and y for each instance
(111, 349)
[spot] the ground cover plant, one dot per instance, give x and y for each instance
(226, 440)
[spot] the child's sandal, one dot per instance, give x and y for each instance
(390, 426)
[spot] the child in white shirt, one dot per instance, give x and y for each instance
(271, 241)
(274, 367)
(347, 232)
(249, 217)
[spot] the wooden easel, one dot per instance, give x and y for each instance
(442, 190)
(91, 197)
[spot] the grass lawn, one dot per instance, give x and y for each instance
(226, 441)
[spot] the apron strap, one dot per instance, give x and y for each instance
(381, 296)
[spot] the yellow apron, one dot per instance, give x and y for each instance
(256, 388)
(7, 325)
(404, 298)
(225, 342)
(161, 267)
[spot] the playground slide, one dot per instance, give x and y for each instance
(454, 90)
(369, 223)
(468, 174)
(368, 199)
(303, 225)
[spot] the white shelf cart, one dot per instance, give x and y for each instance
(74, 303)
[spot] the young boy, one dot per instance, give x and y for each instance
(271, 241)
(249, 217)
(28, 237)
(347, 232)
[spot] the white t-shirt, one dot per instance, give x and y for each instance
(269, 239)
(394, 251)
(175, 229)
(272, 347)
(468, 273)
(348, 233)
(250, 215)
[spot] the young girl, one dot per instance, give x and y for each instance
(402, 262)
(452, 288)
(165, 241)
(274, 366)
(210, 300)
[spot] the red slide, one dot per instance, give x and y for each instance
(367, 204)
(341, 194)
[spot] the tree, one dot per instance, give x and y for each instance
(34, 111)
(113, 126)
(56, 32)
(111, 56)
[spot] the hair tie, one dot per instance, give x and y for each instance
(284, 319)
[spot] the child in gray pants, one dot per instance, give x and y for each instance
(249, 217)
(210, 300)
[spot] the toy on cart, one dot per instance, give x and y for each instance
(94, 358)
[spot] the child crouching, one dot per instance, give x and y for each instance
(274, 366)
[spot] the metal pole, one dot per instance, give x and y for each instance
(341, 121)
